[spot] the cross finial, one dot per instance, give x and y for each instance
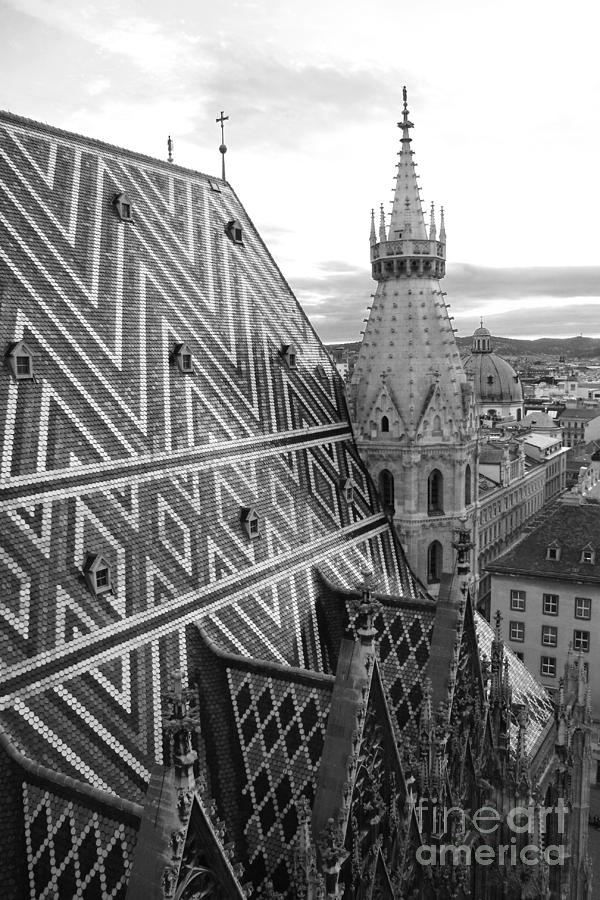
(170, 148)
(223, 148)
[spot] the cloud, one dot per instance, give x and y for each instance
(467, 282)
(524, 302)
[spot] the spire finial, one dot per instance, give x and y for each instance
(382, 230)
(405, 124)
(170, 148)
(373, 236)
(442, 226)
(432, 231)
(223, 147)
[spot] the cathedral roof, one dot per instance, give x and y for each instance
(122, 446)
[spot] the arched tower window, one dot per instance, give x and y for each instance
(435, 492)
(385, 424)
(468, 499)
(386, 489)
(435, 555)
(518, 415)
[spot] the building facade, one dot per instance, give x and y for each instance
(548, 589)
(410, 399)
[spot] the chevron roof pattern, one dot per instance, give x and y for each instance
(113, 449)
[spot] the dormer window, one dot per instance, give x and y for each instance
(97, 574)
(553, 551)
(183, 357)
(123, 207)
(288, 353)
(20, 361)
(250, 522)
(233, 230)
(348, 491)
(588, 555)
(321, 373)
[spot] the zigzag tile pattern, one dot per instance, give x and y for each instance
(114, 450)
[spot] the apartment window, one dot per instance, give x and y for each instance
(550, 604)
(581, 641)
(583, 608)
(517, 631)
(548, 666)
(517, 601)
(549, 635)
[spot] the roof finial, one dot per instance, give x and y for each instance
(382, 234)
(170, 148)
(442, 226)
(432, 231)
(405, 124)
(223, 147)
(373, 236)
(481, 321)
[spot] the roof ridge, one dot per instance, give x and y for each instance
(7, 116)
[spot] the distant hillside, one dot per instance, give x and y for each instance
(571, 348)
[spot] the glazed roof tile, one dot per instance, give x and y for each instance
(114, 450)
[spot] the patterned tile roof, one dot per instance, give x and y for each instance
(114, 450)
(526, 691)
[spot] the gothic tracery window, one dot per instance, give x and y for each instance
(434, 562)
(386, 489)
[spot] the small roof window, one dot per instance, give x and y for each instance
(320, 372)
(184, 358)
(289, 355)
(20, 361)
(214, 186)
(348, 491)
(588, 554)
(123, 207)
(250, 521)
(234, 232)
(553, 551)
(96, 571)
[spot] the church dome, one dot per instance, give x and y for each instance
(494, 380)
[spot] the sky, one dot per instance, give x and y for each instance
(505, 98)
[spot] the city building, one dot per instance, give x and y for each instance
(410, 400)
(547, 587)
(220, 677)
(579, 424)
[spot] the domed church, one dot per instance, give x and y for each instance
(498, 390)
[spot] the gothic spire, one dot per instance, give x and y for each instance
(432, 231)
(407, 212)
(382, 234)
(372, 236)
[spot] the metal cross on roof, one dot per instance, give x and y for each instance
(223, 148)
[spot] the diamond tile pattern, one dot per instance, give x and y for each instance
(74, 852)
(281, 726)
(404, 645)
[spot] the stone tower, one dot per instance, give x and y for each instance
(411, 401)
